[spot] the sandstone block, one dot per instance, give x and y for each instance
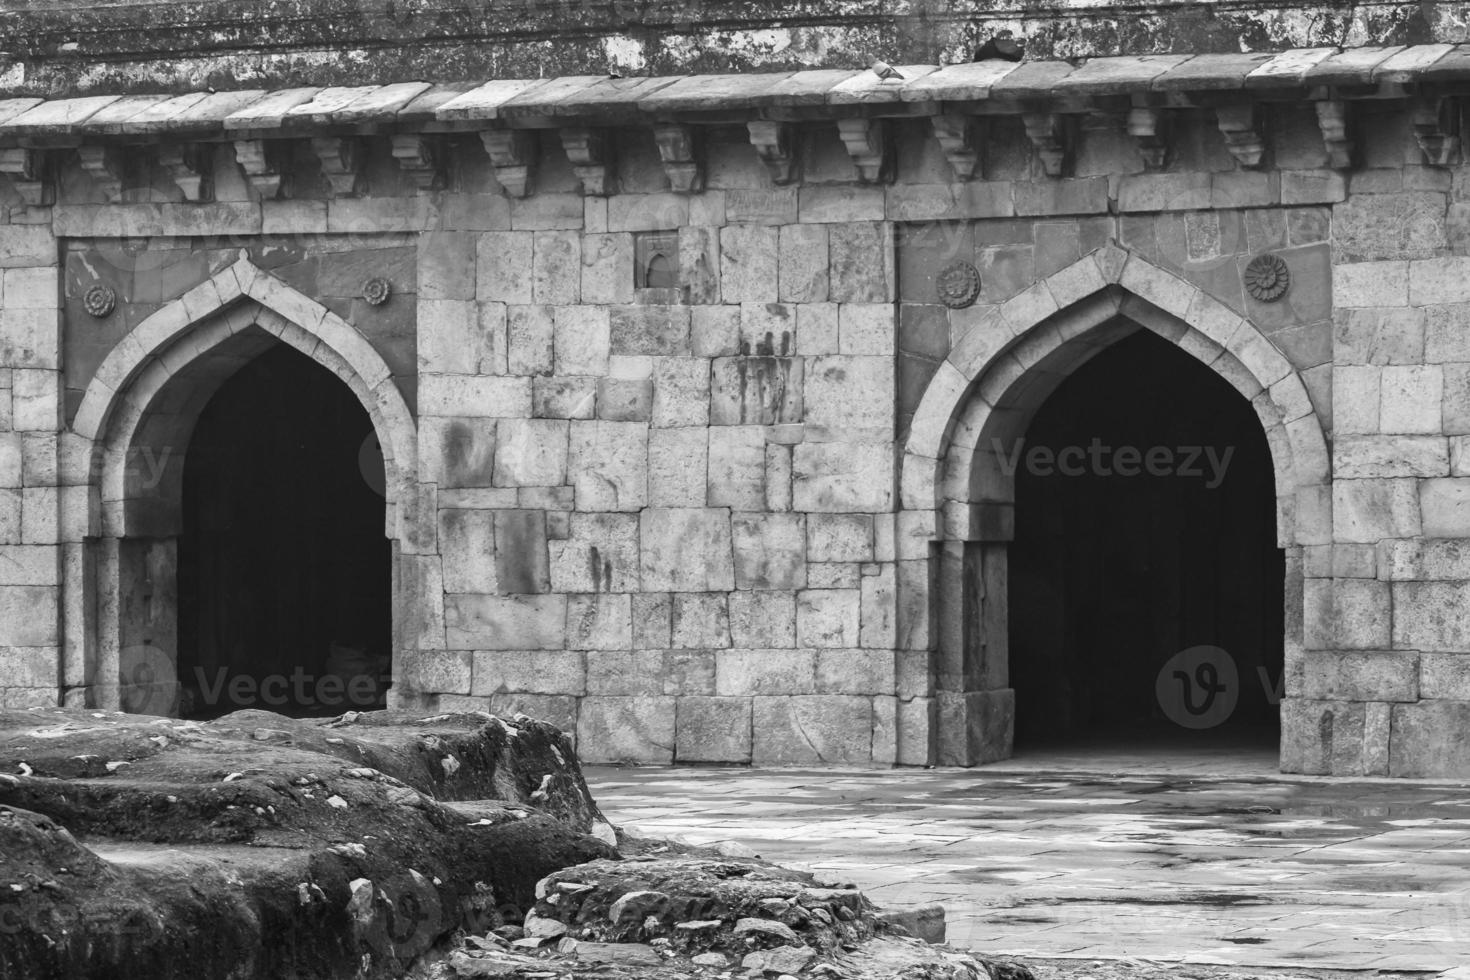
(770, 551)
(686, 550)
(1357, 457)
(829, 729)
(503, 266)
(637, 729)
(530, 333)
(802, 273)
(474, 397)
(817, 328)
(530, 453)
(689, 672)
(1439, 281)
(1367, 511)
(763, 620)
(879, 627)
(1379, 676)
(558, 710)
(856, 672)
(699, 264)
(1427, 616)
(842, 390)
(680, 391)
(29, 338)
(446, 265)
(713, 729)
(748, 264)
(529, 672)
(840, 537)
(756, 390)
(836, 202)
(599, 554)
(563, 398)
(607, 463)
(828, 617)
(1355, 393)
(760, 205)
(647, 212)
(714, 331)
(700, 621)
(917, 722)
(1378, 336)
(1322, 737)
(866, 328)
(467, 541)
(650, 330)
(861, 263)
(1445, 506)
(521, 560)
(624, 400)
(1349, 614)
(1431, 738)
(607, 268)
(1410, 399)
(600, 621)
(487, 622)
(767, 329)
(583, 339)
(773, 672)
(677, 467)
(438, 671)
(556, 268)
(32, 289)
(778, 477)
(455, 452)
(1444, 676)
(737, 467)
(625, 673)
(1433, 560)
(652, 620)
(842, 477)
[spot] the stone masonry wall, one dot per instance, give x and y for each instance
(668, 519)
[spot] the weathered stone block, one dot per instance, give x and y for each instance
(713, 729)
(1431, 738)
(1444, 676)
(1349, 614)
(607, 268)
(975, 727)
(556, 268)
(773, 672)
(689, 672)
(829, 729)
(600, 621)
(625, 673)
(700, 621)
(737, 467)
(840, 537)
(680, 391)
(749, 264)
(1322, 737)
(1357, 457)
(879, 607)
(714, 331)
(637, 729)
(32, 289)
(763, 620)
(530, 333)
(530, 453)
(31, 667)
(485, 622)
(1410, 399)
(803, 262)
(1445, 506)
(437, 671)
(503, 266)
(29, 338)
(456, 452)
(686, 550)
(1389, 226)
(1369, 510)
(647, 212)
(660, 330)
(1378, 336)
(699, 264)
(521, 559)
(828, 617)
(1378, 676)
(564, 398)
(599, 554)
(849, 391)
(529, 672)
(756, 390)
(1433, 560)
(861, 263)
(474, 397)
(677, 467)
(583, 339)
(607, 463)
(467, 541)
(1429, 616)
(855, 672)
(770, 551)
(624, 400)
(866, 328)
(652, 620)
(836, 477)
(817, 328)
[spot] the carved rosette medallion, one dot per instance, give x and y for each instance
(958, 285)
(376, 291)
(1267, 278)
(99, 300)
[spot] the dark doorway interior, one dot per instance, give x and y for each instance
(1112, 576)
(284, 569)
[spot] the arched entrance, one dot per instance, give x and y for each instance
(1146, 586)
(962, 491)
(136, 428)
(284, 573)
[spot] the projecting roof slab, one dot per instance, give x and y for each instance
(603, 99)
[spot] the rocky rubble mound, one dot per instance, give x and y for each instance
(671, 918)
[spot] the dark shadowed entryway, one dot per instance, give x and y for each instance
(1145, 563)
(284, 569)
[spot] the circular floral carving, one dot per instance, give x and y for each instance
(1267, 278)
(376, 291)
(958, 285)
(99, 300)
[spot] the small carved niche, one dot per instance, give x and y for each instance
(656, 260)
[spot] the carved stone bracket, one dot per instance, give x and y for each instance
(775, 144)
(513, 155)
(419, 158)
(190, 166)
(1332, 119)
(1052, 137)
(342, 162)
(26, 170)
(1240, 125)
(959, 137)
(868, 144)
(104, 165)
(678, 148)
(261, 162)
(587, 149)
(1149, 128)
(1436, 124)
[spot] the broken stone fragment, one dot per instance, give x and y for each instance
(542, 928)
(782, 959)
(766, 928)
(636, 906)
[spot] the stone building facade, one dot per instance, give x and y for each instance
(692, 392)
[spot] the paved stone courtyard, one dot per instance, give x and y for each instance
(1056, 858)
